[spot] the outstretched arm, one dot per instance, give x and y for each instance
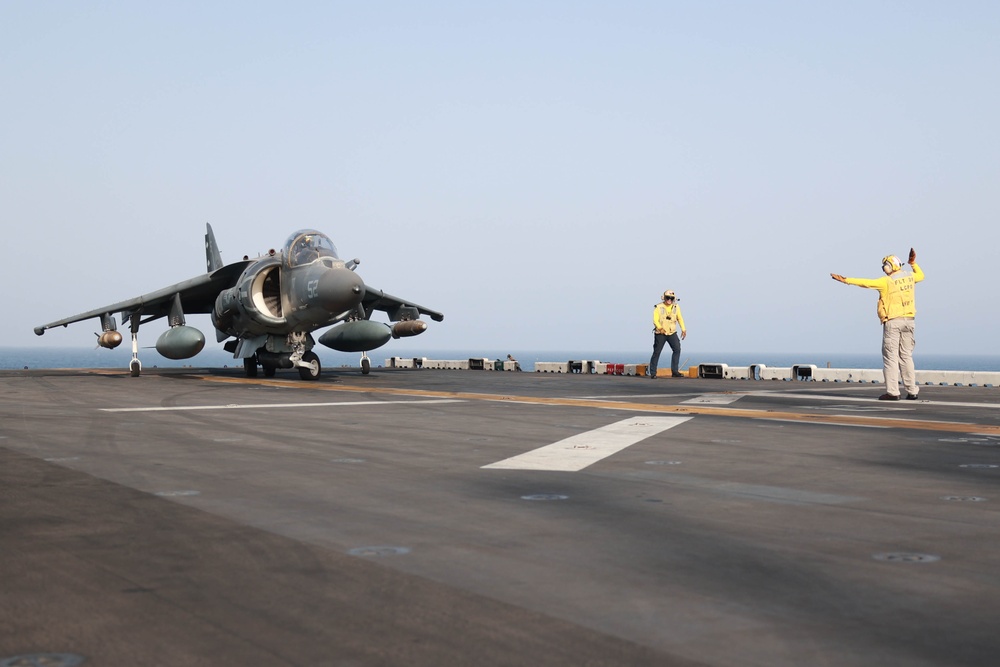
(918, 274)
(839, 278)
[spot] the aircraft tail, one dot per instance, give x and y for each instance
(212, 255)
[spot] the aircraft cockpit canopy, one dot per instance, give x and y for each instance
(306, 246)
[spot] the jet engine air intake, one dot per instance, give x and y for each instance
(266, 292)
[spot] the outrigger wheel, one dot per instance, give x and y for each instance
(366, 364)
(135, 367)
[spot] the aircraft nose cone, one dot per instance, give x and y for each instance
(340, 290)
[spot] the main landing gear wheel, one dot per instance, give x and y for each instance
(135, 368)
(250, 366)
(312, 371)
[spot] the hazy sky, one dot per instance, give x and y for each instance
(539, 171)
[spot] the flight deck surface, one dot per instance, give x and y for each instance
(422, 517)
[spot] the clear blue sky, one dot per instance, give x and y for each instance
(539, 171)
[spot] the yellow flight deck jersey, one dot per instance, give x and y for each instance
(666, 318)
(895, 292)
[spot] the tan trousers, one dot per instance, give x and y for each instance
(897, 355)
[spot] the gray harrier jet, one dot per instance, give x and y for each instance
(266, 309)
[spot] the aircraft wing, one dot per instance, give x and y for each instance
(376, 299)
(197, 296)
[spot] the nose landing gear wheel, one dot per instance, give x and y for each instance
(250, 366)
(312, 371)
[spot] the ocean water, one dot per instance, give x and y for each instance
(216, 357)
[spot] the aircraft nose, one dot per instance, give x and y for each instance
(340, 290)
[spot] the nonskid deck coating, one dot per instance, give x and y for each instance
(363, 526)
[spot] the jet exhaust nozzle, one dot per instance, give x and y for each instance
(358, 336)
(408, 328)
(180, 342)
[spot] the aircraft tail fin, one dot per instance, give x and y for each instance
(212, 255)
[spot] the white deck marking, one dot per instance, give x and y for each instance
(715, 399)
(579, 451)
(265, 406)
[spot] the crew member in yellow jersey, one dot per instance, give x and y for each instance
(666, 318)
(896, 310)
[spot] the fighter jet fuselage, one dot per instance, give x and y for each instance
(267, 309)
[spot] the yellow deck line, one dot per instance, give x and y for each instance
(810, 418)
